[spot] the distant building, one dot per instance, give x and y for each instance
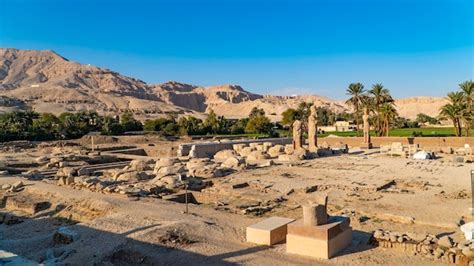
(342, 126)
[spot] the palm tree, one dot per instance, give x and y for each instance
(388, 113)
(467, 89)
(454, 110)
(356, 91)
(380, 96)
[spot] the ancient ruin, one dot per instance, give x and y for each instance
(313, 129)
(366, 129)
(297, 135)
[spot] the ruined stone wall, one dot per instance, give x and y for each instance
(424, 142)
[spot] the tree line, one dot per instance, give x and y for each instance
(459, 109)
(31, 125)
(384, 115)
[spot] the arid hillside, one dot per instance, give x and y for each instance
(50, 83)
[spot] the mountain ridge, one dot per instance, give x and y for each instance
(49, 82)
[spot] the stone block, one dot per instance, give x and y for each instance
(317, 247)
(269, 231)
(25, 204)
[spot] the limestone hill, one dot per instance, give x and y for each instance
(49, 82)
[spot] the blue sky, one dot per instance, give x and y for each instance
(413, 47)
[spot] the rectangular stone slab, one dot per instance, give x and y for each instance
(27, 205)
(269, 231)
(336, 225)
(318, 248)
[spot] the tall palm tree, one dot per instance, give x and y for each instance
(388, 113)
(454, 110)
(380, 96)
(356, 91)
(467, 88)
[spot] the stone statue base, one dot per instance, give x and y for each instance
(366, 146)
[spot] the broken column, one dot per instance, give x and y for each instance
(313, 129)
(297, 135)
(318, 235)
(315, 214)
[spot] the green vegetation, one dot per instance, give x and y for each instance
(326, 117)
(404, 132)
(30, 125)
(459, 110)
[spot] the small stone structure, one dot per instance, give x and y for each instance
(313, 129)
(398, 149)
(429, 246)
(208, 149)
(367, 142)
(269, 231)
(297, 135)
(318, 235)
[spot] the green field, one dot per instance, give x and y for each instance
(407, 132)
(397, 132)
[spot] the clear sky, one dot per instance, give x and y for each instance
(413, 47)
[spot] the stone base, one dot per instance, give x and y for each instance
(322, 241)
(268, 232)
(366, 146)
(318, 248)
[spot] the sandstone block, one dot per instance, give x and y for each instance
(269, 231)
(317, 247)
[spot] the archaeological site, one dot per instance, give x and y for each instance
(236, 132)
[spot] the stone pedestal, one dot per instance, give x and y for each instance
(321, 241)
(366, 146)
(268, 232)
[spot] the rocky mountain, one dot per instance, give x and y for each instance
(50, 83)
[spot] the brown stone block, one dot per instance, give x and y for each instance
(269, 231)
(318, 248)
(336, 225)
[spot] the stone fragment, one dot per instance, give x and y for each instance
(66, 171)
(131, 175)
(164, 162)
(139, 165)
(171, 170)
(378, 233)
(276, 151)
(233, 162)
(257, 155)
(65, 235)
(246, 151)
(42, 159)
(16, 186)
(223, 155)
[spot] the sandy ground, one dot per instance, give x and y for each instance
(374, 190)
